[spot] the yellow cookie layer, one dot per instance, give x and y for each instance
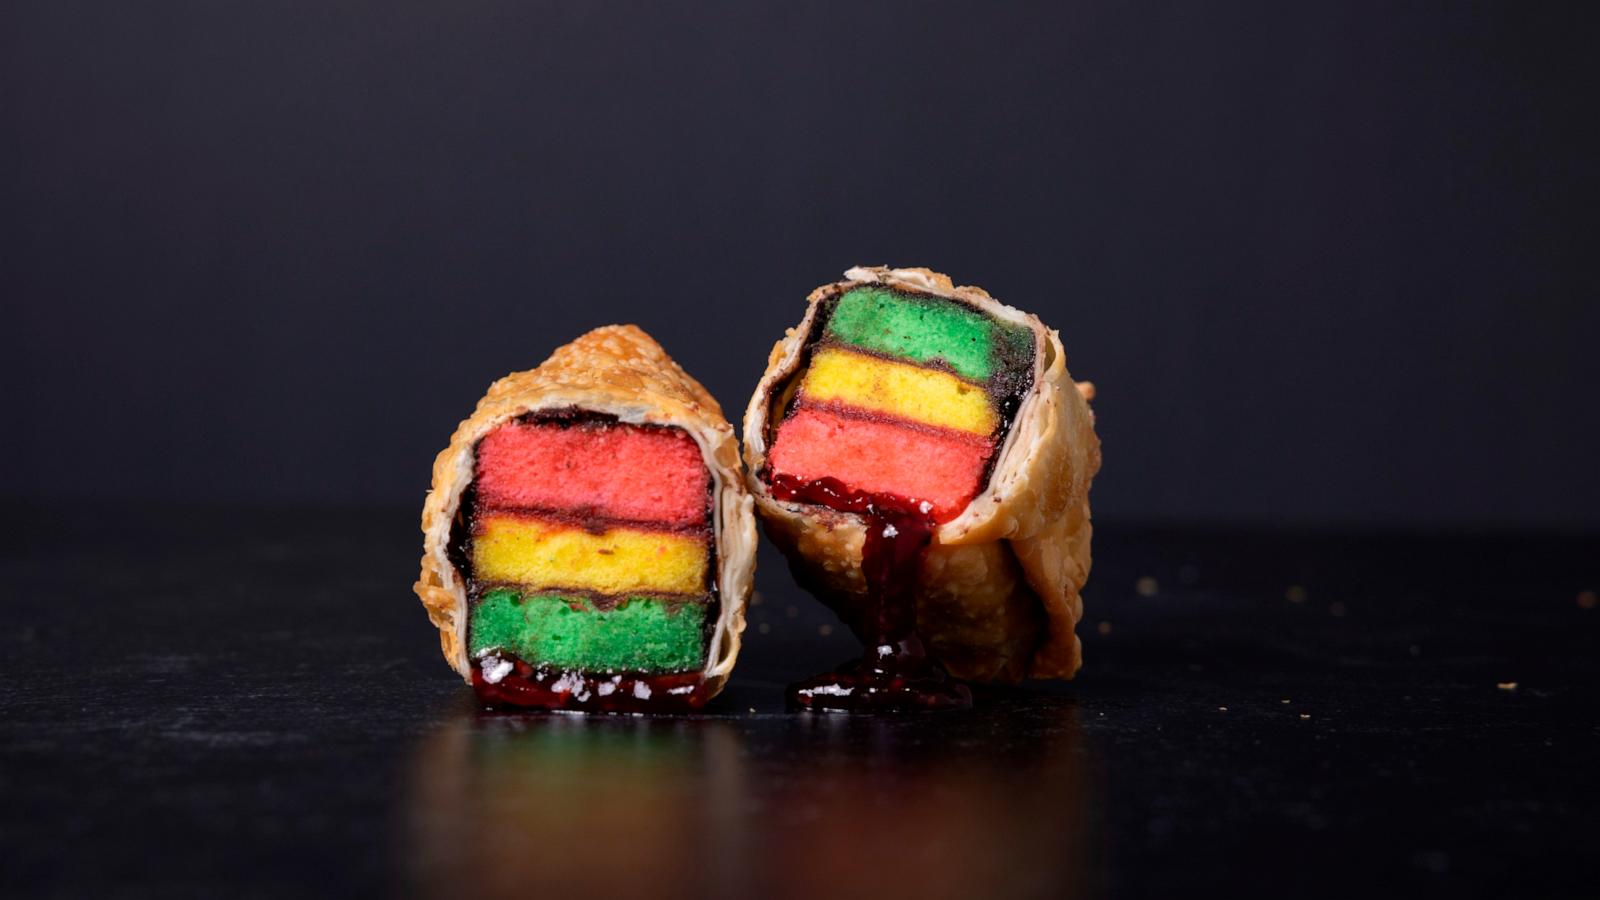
(897, 389)
(537, 553)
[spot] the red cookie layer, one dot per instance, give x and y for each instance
(881, 457)
(614, 471)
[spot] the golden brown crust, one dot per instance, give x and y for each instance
(618, 370)
(1001, 581)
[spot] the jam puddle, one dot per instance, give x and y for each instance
(895, 672)
(520, 685)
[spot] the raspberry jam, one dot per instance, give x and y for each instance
(517, 684)
(895, 672)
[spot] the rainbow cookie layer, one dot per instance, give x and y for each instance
(591, 546)
(904, 394)
(649, 474)
(637, 634)
(897, 389)
(540, 552)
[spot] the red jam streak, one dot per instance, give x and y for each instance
(895, 672)
(520, 685)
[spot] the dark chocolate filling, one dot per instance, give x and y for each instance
(592, 522)
(672, 602)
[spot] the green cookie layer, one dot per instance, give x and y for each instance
(923, 330)
(641, 634)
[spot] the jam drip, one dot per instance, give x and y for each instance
(518, 684)
(895, 672)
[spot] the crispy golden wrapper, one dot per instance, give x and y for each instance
(621, 371)
(1000, 583)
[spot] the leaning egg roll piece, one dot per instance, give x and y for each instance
(589, 544)
(920, 454)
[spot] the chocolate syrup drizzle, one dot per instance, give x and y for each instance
(895, 671)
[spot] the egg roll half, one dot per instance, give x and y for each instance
(588, 541)
(901, 401)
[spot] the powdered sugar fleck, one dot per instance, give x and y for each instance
(495, 668)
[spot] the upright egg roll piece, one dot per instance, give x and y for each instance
(920, 454)
(588, 541)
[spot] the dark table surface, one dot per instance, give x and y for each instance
(229, 703)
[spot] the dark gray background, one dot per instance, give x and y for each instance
(1326, 265)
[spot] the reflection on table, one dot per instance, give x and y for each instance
(764, 806)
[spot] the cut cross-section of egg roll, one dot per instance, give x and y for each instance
(589, 543)
(922, 457)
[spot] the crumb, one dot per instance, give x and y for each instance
(756, 598)
(1222, 709)
(1507, 685)
(1294, 593)
(1103, 628)
(1147, 586)
(791, 611)
(1305, 715)
(1588, 600)
(1283, 701)
(824, 630)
